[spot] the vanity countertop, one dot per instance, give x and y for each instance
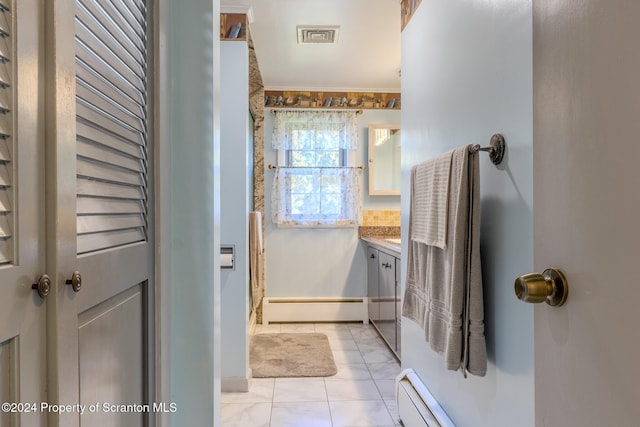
(387, 244)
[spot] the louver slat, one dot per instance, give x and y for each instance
(111, 17)
(90, 149)
(7, 149)
(109, 90)
(89, 168)
(6, 211)
(5, 99)
(5, 51)
(6, 251)
(100, 119)
(98, 223)
(88, 188)
(106, 52)
(108, 107)
(133, 12)
(109, 239)
(90, 134)
(89, 60)
(5, 157)
(5, 201)
(112, 34)
(111, 124)
(6, 228)
(106, 206)
(5, 25)
(5, 176)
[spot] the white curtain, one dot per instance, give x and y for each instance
(316, 196)
(344, 123)
(314, 189)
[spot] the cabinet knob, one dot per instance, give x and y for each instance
(372, 256)
(43, 286)
(75, 281)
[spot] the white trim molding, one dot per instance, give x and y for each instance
(314, 310)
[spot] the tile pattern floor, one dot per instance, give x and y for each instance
(361, 394)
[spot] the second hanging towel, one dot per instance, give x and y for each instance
(444, 281)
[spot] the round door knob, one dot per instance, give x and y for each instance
(43, 286)
(75, 281)
(551, 287)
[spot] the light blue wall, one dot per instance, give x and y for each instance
(235, 193)
(321, 262)
(188, 218)
(466, 74)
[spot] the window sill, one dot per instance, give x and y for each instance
(317, 225)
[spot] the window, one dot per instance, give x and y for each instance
(314, 185)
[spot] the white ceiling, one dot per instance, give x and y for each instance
(366, 57)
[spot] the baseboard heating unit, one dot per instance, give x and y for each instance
(416, 405)
(314, 310)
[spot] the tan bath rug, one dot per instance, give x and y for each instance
(291, 355)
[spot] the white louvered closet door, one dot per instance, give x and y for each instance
(111, 126)
(105, 332)
(22, 311)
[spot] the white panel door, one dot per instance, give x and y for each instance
(103, 335)
(22, 212)
(587, 210)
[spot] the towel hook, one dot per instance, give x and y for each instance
(495, 148)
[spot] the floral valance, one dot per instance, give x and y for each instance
(288, 125)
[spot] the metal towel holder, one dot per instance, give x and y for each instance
(495, 148)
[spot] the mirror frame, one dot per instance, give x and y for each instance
(372, 189)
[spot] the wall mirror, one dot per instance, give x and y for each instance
(384, 160)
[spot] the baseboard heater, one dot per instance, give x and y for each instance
(416, 405)
(314, 310)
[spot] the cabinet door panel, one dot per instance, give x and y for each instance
(387, 277)
(372, 285)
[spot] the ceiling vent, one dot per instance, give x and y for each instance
(318, 33)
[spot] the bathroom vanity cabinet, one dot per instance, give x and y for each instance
(383, 291)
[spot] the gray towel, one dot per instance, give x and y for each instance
(430, 200)
(444, 286)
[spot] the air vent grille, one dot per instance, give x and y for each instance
(318, 33)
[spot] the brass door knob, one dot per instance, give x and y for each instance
(75, 281)
(551, 287)
(43, 286)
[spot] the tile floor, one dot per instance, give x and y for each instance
(361, 394)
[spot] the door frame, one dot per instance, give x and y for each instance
(168, 258)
